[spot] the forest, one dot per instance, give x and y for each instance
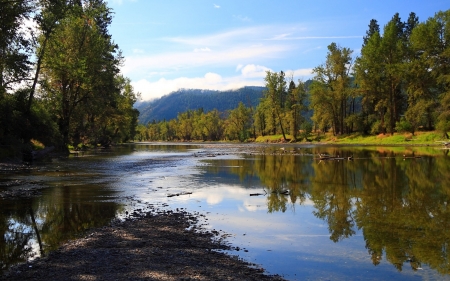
(60, 83)
(399, 83)
(60, 86)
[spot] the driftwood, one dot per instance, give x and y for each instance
(178, 194)
(258, 194)
(330, 157)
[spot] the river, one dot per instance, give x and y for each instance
(361, 213)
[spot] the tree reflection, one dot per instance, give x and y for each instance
(286, 178)
(399, 203)
(15, 239)
(332, 197)
(35, 226)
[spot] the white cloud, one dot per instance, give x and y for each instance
(248, 34)
(138, 64)
(302, 74)
(247, 51)
(212, 81)
(281, 36)
(249, 75)
(206, 49)
(138, 51)
(242, 18)
(252, 70)
(216, 6)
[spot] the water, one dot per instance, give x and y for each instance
(381, 215)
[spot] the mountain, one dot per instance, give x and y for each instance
(168, 107)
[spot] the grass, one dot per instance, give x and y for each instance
(419, 138)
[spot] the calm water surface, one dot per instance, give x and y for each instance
(381, 215)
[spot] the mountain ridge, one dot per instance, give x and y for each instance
(169, 106)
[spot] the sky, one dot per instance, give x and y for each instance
(221, 45)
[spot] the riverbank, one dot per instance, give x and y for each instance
(406, 139)
(150, 245)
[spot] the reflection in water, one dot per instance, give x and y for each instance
(397, 203)
(80, 192)
(44, 223)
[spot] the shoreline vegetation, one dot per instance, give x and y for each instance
(12, 154)
(419, 138)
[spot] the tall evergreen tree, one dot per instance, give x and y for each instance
(373, 28)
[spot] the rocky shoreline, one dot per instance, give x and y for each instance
(147, 245)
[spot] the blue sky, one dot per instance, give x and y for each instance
(221, 45)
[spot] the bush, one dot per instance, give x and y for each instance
(305, 130)
(404, 126)
(376, 128)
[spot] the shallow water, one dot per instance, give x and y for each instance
(381, 215)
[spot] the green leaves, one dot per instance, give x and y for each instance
(331, 90)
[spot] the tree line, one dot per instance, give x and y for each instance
(60, 82)
(399, 83)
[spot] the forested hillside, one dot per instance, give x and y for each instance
(169, 106)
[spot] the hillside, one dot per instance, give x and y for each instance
(168, 107)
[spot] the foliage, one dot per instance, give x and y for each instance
(81, 97)
(14, 47)
(331, 92)
(73, 92)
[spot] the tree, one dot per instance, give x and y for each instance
(185, 125)
(331, 89)
(237, 124)
(276, 95)
(52, 13)
(373, 28)
(393, 51)
(211, 125)
(80, 68)
(380, 73)
(295, 107)
(430, 41)
(263, 116)
(14, 47)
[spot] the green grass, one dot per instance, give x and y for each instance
(420, 138)
(272, 138)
